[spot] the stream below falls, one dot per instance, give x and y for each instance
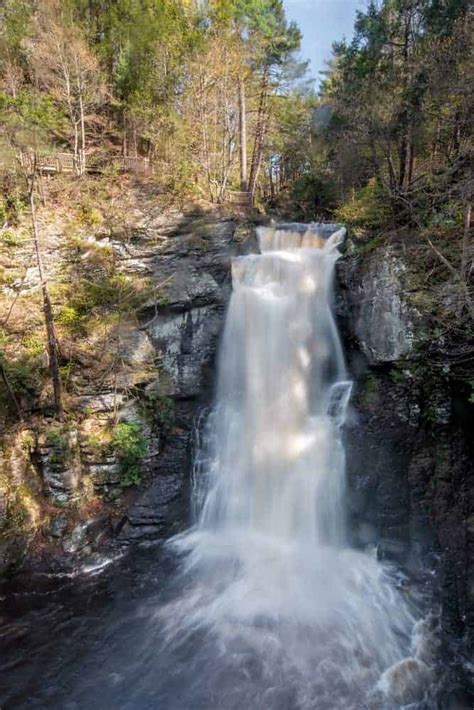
(261, 603)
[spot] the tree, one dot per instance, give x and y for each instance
(143, 44)
(64, 66)
(209, 110)
(52, 343)
(399, 89)
(273, 43)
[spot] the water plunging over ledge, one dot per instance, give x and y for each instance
(292, 616)
(262, 604)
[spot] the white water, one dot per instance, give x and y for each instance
(287, 615)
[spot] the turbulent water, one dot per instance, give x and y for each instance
(292, 617)
(262, 604)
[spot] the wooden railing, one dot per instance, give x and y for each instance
(136, 164)
(66, 163)
(239, 199)
(57, 163)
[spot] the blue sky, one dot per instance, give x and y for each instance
(322, 22)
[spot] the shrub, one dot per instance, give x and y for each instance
(130, 446)
(158, 408)
(449, 214)
(113, 292)
(313, 195)
(369, 208)
(58, 439)
(10, 238)
(70, 318)
(23, 376)
(90, 216)
(65, 372)
(181, 182)
(100, 441)
(3, 211)
(34, 345)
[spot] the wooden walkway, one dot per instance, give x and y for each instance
(66, 163)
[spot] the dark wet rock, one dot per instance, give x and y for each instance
(59, 470)
(183, 323)
(380, 317)
(164, 507)
(409, 453)
(173, 349)
(187, 343)
(84, 533)
(77, 540)
(160, 514)
(13, 551)
(57, 525)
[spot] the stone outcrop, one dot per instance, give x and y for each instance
(408, 449)
(380, 316)
(159, 373)
(184, 328)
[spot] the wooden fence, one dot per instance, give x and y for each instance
(66, 163)
(57, 163)
(239, 199)
(136, 164)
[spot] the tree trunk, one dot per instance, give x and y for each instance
(435, 144)
(124, 137)
(52, 342)
(466, 256)
(82, 156)
(257, 164)
(405, 118)
(71, 109)
(391, 174)
(77, 160)
(271, 182)
(456, 139)
(135, 146)
(243, 136)
(260, 130)
(410, 156)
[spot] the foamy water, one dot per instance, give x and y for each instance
(287, 615)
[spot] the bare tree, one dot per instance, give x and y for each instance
(212, 115)
(52, 343)
(65, 66)
(243, 135)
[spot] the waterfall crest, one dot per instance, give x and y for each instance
(297, 618)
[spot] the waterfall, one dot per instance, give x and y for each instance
(278, 469)
(286, 614)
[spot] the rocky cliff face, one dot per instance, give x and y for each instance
(408, 447)
(117, 469)
(184, 334)
(62, 489)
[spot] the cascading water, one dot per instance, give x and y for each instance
(262, 604)
(279, 611)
